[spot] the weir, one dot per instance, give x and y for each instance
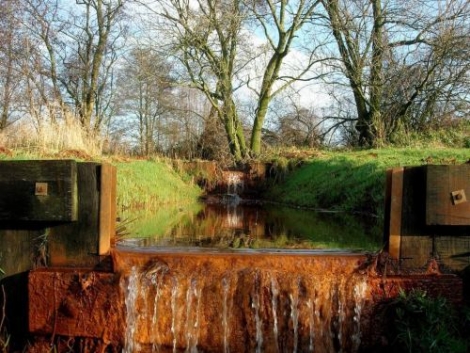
(209, 300)
(246, 302)
(189, 300)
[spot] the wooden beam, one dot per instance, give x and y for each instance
(38, 191)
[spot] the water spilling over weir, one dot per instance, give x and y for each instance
(261, 302)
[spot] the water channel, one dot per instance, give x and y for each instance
(244, 277)
(253, 225)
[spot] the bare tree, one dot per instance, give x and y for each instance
(300, 128)
(206, 37)
(381, 45)
(146, 89)
(214, 42)
(281, 22)
(80, 42)
(10, 58)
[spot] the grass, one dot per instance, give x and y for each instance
(149, 185)
(353, 180)
(420, 323)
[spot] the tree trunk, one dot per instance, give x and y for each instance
(234, 131)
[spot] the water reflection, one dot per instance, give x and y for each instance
(252, 226)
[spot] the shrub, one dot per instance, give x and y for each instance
(424, 324)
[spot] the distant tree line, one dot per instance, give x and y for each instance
(226, 79)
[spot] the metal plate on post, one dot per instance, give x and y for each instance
(40, 189)
(458, 197)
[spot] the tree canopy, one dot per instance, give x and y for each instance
(174, 76)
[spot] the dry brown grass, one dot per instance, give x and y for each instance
(51, 139)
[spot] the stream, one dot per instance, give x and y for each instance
(227, 226)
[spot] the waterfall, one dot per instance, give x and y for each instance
(131, 291)
(256, 305)
(274, 307)
(174, 296)
(223, 305)
(294, 303)
(235, 183)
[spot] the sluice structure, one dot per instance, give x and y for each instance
(85, 295)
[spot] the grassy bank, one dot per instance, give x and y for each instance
(353, 180)
(148, 185)
(344, 181)
(144, 187)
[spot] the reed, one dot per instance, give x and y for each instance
(50, 138)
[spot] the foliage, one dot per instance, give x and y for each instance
(281, 166)
(353, 180)
(425, 324)
(451, 133)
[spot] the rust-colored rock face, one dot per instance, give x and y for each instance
(250, 301)
(76, 303)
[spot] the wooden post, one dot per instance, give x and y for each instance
(107, 228)
(447, 190)
(396, 202)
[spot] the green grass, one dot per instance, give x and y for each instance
(424, 324)
(353, 180)
(149, 185)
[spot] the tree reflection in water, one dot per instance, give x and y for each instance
(253, 226)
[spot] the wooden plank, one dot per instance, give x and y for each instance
(107, 227)
(38, 191)
(114, 206)
(442, 208)
(454, 252)
(76, 244)
(21, 250)
(396, 202)
(416, 243)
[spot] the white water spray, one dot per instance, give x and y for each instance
(274, 305)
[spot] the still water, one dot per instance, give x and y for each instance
(250, 226)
